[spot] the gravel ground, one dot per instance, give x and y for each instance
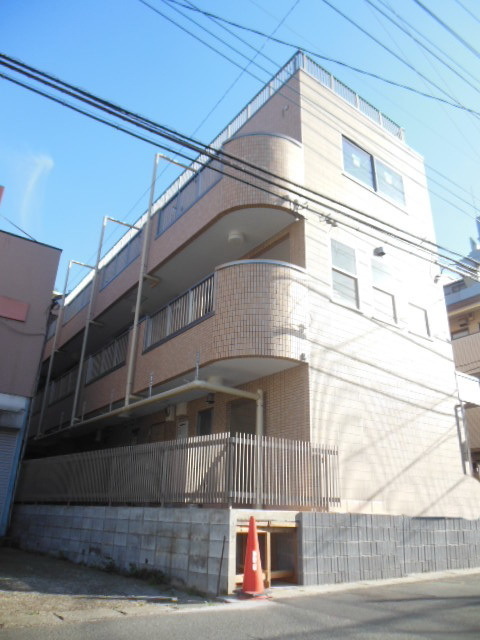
(38, 589)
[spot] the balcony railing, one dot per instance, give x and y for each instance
(63, 386)
(108, 358)
(218, 469)
(191, 306)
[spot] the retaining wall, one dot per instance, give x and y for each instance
(184, 543)
(351, 547)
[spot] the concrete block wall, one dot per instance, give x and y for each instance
(347, 547)
(184, 543)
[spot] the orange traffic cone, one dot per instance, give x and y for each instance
(253, 574)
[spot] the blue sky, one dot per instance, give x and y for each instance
(63, 172)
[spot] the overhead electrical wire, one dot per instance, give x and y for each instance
(238, 165)
(422, 45)
(466, 140)
(219, 20)
(315, 54)
(399, 58)
(453, 33)
(427, 165)
(214, 154)
(476, 18)
(297, 103)
(430, 42)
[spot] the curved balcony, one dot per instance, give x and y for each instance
(261, 310)
(256, 327)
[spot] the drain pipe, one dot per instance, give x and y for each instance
(465, 450)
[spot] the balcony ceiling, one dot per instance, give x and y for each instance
(229, 237)
(193, 262)
(231, 373)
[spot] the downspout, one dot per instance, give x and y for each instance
(465, 445)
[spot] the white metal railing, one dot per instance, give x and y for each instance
(108, 358)
(121, 260)
(78, 303)
(63, 386)
(194, 304)
(218, 469)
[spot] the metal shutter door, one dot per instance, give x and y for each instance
(8, 446)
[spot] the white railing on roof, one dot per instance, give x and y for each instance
(298, 61)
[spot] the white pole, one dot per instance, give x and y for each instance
(143, 265)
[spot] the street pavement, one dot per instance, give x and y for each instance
(435, 606)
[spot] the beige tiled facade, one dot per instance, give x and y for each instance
(332, 371)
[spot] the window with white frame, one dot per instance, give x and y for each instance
(384, 307)
(418, 320)
(344, 274)
(367, 169)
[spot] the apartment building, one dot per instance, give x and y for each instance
(264, 295)
(463, 305)
(27, 276)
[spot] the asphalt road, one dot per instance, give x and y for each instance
(445, 608)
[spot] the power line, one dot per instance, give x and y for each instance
(420, 44)
(315, 54)
(17, 227)
(468, 11)
(422, 35)
(214, 154)
(302, 106)
(447, 113)
(402, 60)
(427, 165)
(234, 163)
(466, 44)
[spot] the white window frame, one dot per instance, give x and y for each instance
(352, 275)
(376, 164)
(386, 286)
(413, 329)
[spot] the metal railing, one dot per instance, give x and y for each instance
(191, 306)
(63, 386)
(108, 358)
(218, 469)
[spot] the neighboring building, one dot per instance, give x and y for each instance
(463, 305)
(265, 309)
(27, 276)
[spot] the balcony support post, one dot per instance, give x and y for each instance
(259, 429)
(88, 320)
(54, 349)
(143, 268)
